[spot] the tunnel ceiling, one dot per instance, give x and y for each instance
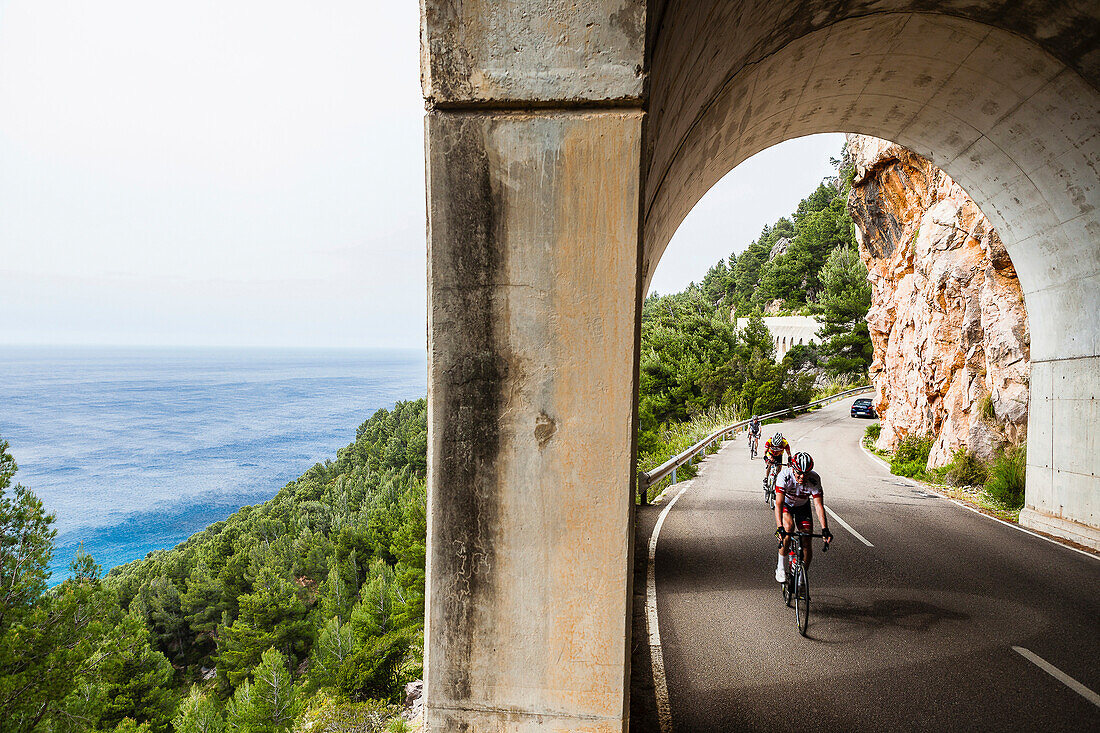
(1005, 117)
(1068, 30)
(704, 56)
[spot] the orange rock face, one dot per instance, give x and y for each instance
(947, 315)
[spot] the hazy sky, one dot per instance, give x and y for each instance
(234, 172)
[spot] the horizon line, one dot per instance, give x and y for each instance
(115, 345)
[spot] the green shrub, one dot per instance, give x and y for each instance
(1006, 476)
(329, 714)
(985, 409)
(914, 447)
(832, 385)
(911, 455)
(966, 469)
(910, 469)
(873, 431)
(670, 440)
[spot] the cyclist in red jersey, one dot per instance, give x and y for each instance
(796, 488)
(773, 454)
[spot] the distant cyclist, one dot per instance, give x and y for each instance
(796, 487)
(754, 431)
(773, 454)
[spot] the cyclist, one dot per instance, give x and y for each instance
(796, 487)
(754, 428)
(773, 454)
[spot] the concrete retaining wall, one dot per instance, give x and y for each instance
(788, 331)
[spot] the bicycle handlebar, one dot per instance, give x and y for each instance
(809, 534)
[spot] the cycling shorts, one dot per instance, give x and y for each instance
(801, 514)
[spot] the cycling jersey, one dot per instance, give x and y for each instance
(776, 454)
(754, 428)
(796, 494)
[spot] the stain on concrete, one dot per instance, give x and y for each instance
(545, 427)
(630, 18)
(468, 391)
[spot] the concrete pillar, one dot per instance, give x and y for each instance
(1063, 457)
(534, 200)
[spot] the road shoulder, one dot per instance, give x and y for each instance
(980, 510)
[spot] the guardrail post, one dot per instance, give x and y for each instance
(673, 476)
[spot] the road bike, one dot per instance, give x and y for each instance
(796, 590)
(754, 439)
(769, 484)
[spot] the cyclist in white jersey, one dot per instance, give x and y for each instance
(797, 487)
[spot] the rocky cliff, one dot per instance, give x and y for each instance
(947, 316)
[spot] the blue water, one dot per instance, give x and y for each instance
(136, 449)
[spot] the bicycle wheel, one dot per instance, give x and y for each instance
(802, 600)
(788, 589)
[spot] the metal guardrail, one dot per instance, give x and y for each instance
(648, 478)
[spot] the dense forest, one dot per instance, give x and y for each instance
(307, 611)
(309, 605)
(694, 360)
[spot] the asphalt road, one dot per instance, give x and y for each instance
(914, 633)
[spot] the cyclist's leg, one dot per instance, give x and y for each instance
(806, 524)
(788, 524)
(782, 572)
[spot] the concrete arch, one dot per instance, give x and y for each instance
(1002, 116)
(1014, 125)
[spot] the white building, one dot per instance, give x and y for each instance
(788, 331)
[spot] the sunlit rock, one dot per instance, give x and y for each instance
(947, 318)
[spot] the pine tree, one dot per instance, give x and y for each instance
(198, 713)
(373, 616)
(335, 644)
(335, 596)
(139, 677)
(267, 703)
(409, 548)
(49, 642)
(845, 339)
(273, 615)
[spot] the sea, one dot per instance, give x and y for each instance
(136, 449)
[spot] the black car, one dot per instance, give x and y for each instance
(863, 408)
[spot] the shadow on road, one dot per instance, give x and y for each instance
(835, 619)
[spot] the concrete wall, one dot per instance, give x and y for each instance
(788, 331)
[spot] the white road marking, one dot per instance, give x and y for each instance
(1058, 674)
(848, 527)
(956, 502)
(876, 459)
(1015, 526)
(657, 660)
